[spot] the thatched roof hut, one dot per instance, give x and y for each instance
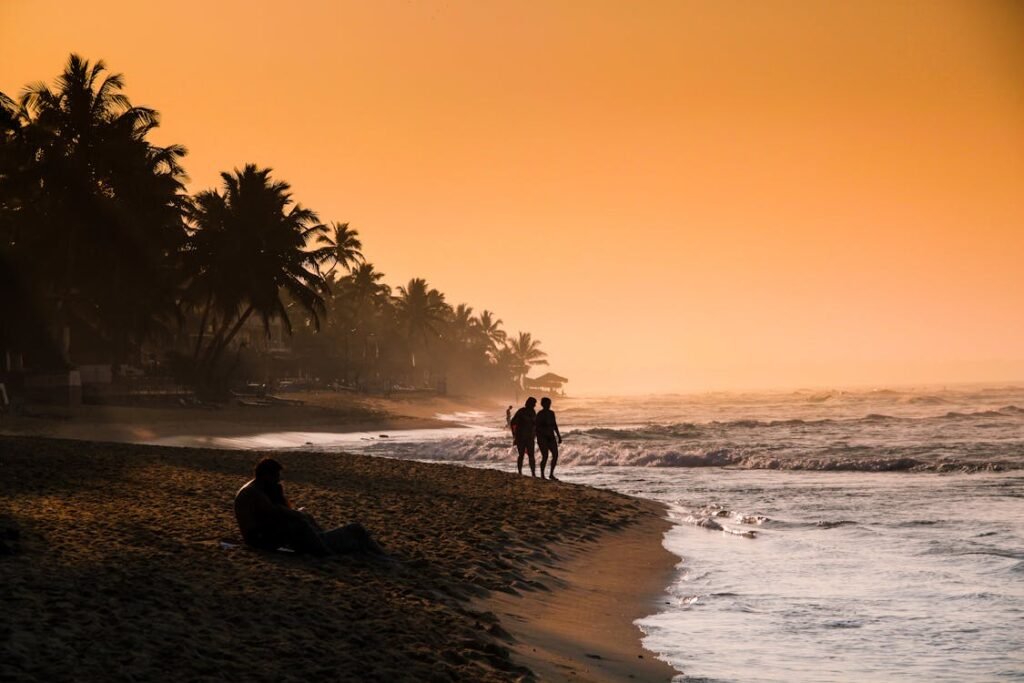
(549, 382)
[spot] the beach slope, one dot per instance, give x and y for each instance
(123, 562)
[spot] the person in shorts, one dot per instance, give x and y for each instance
(524, 434)
(548, 436)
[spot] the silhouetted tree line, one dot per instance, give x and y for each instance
(103, 254)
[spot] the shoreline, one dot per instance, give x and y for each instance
(132, 549)
(322, 411)
(585, 628)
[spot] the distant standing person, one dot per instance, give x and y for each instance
(508, 417)
(548, 436)
(524, 433)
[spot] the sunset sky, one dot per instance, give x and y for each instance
(672, 196)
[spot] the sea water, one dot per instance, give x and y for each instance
(822, 536)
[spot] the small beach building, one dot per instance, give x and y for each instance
(548, 382)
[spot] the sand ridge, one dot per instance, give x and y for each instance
(129, 568)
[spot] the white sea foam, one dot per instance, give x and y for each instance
(842, 562)
(866, 431)
(586, 449)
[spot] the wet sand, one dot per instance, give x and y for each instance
(584, 629)
(129, 566)
(321, 411)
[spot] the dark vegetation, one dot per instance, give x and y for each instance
(106, 259)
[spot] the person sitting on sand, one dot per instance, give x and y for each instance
(268, 521)
(524, 433)
(547, 431)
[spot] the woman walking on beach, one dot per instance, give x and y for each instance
(548, 436)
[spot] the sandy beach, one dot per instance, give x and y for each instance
(128, 566)
(321, 411)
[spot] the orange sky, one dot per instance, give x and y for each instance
(670, 195)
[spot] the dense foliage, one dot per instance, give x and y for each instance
(103, 255)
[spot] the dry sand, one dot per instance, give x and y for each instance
(128, 568)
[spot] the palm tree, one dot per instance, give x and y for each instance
(462, 325)
(489, 328)
(364, 282)
(249, 245)
(525, 353)
(366, 297)
(420, 311)
(97, 220)
(14, 155)
(342, 246)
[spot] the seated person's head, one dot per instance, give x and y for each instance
(268, 470)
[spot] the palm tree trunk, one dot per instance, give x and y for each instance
(220, 328)
(216, 351)
(202, 327)
(207, 366)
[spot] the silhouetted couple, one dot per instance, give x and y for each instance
(529, 426)
(268, 521)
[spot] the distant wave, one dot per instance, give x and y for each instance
(877, 417)
(824, 524)
(954, 441)
(691, 429)
(924, 400)
(644, 453)
(1005, 411)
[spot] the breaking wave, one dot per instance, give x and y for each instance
(873, 432)
(599, 448)
(694, 429)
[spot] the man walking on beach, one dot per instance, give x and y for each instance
(267, 520)
(548, 436)
(524, 433)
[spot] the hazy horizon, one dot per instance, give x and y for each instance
(866, 387)
(673, 197)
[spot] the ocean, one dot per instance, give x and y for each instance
(822, 535)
